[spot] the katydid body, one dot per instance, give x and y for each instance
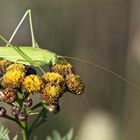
(37, 56)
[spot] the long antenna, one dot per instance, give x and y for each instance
(105, 69)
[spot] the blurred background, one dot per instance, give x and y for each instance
(106, 32)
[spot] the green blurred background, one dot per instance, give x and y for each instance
(102, 31)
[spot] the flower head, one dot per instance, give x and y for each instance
(10, 95)
(62, 67)
(3, 65)
(54, 79)
(28, 102)
(75, 84)
(12, 79)
(16, 66)
(15, 111)
(53, 108)
(22, 116)
(33, 83)
(52, 91)
(2, 111)
(47, 100)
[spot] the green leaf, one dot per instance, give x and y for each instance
(56, 135)
(48, 138)
(15, 138)
(4, 134)
(69, 135)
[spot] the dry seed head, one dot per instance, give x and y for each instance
(47, 100)
(75, 84)
(15, 111)
(22, 116)
(16, 66)
(53, 108)
(10, 95)
(63, 67)
(12, 79)
(2, 111)
(54, 79)
(28, 102)
(3, 65)
(52, 91)
(33, 83)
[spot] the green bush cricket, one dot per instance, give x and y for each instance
(35, 56)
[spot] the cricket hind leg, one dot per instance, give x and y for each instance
(28, 12)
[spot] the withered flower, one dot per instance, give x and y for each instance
(22, 116)
(15, 111)
(75, 84)
(53, 108)
(9, 95)
(2, 111)
(28, 102)
(3, 65)
(62, 67)
(47, 100)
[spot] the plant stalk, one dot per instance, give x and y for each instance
(25, 133)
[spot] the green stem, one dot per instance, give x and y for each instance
(35, 121)
(34, 107)
(25, 133)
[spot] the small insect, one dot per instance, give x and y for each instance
(35, 56)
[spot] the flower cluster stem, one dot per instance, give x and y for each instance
(25, 133)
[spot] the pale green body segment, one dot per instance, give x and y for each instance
(35, 56)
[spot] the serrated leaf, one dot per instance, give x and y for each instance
(56, 135)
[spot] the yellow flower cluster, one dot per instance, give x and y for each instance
(73, 82)
(51, 86)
